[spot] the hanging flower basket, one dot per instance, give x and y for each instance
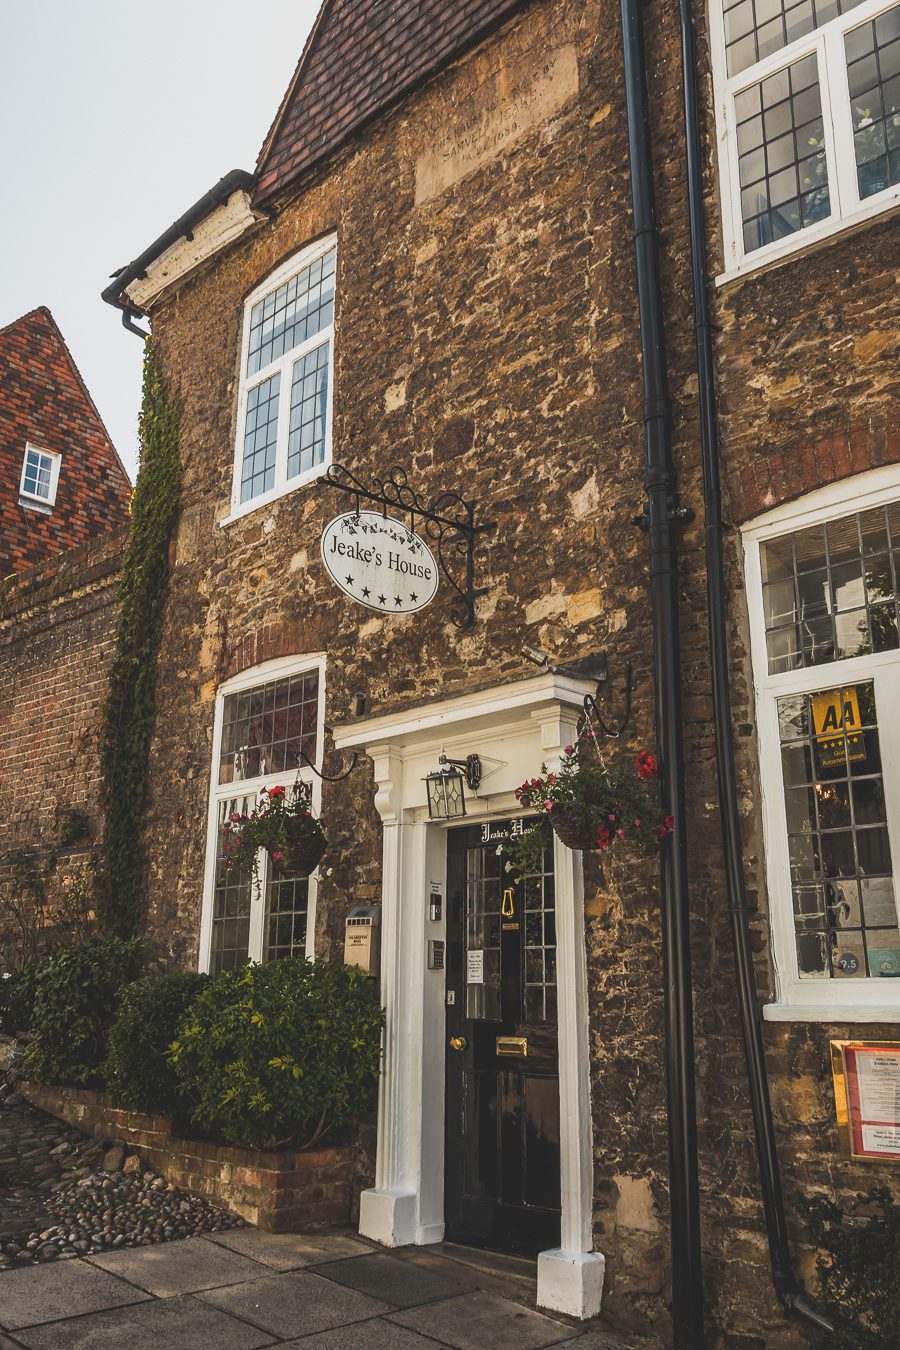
(284, 826)
(592, 805)
(574, 825)
(302, 856)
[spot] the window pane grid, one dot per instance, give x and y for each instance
(754, 29)
(845, 915)
(540, 942)
(830, 592)
(260, 439)
(267, 729)
(309, 406)
(782, 163)
(483, 876)
(292, 314)
(287, 907)
(232, 892)
(873, 76)
(36, 479)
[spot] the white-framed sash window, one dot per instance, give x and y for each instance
(286, 384)
(808, 120)
(40, 477)
(823, 590)
(268, 721)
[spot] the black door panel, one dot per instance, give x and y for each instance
(502, 1178)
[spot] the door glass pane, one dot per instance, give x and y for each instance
(831, 594)
(845, 915)
(482, 965)
(540, 942)
(229, 945)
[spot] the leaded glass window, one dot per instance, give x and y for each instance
(284, 422)
(831, 591)
(40, 474)
(825, 613)
(809, 118)
(266, 734)
(269, 728)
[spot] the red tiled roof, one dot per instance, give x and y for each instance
(44, 401)
(361, 57)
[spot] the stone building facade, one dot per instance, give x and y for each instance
(463, 245)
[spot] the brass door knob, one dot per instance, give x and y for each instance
(458, 1042)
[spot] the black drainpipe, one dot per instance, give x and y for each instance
(660, 513)
(786, 1286)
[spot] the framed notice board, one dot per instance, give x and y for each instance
(867, 1098)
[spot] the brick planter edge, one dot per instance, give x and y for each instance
(280, 1192)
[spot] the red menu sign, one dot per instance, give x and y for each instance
(867, 1093)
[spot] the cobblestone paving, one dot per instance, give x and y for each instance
(64, 1195)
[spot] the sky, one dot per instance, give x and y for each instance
(115, 116)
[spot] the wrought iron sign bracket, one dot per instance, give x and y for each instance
(303, 758)
(594, 718)
(449, 523)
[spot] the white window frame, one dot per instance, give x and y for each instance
(867, 999)
(282, 365)
(250, 787)
(55, 459)
(848, 210)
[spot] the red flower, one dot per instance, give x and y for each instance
(645, 764)
(275, 792)
(667, 827)
(603, 837)
(569, 750)
(277, 855)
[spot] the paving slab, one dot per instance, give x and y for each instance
(165, 1324)
(472, 1321)
(374, 1335)
(64, 1289)
(289, 1251)
(295, 1303)
(178, 1267)
(399, 1283)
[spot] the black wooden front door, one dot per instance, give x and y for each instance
(502, 1152)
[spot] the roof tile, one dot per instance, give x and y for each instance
(362, 56)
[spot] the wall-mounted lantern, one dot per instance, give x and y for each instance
(446, 786)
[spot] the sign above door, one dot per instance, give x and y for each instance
(379, 562)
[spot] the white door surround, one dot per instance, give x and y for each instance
(514, 728)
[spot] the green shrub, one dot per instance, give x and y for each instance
(17, 999)
(275, 1055)
(859, 1270)
(137, 1072)
(76, 996)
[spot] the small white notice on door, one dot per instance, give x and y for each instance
(475, 967)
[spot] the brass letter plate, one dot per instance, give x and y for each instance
(512, 1045)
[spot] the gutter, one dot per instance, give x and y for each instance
(787, 1287)
(661, 513)
(115, 293)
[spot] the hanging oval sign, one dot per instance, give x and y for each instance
(379, 563)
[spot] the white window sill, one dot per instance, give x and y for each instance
(831, 1014)
(807, 240)
(243, 509)
(39, 504)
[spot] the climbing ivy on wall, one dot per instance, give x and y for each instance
(129, 710)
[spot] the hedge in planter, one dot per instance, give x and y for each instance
(273, 1056)
(76, 998)
(138, 1073)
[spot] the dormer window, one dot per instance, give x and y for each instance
(287, 356)
(40, 476)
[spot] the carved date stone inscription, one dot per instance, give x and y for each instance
(509, 104)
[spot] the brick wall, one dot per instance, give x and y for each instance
(57, 631)
(281, 1192)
